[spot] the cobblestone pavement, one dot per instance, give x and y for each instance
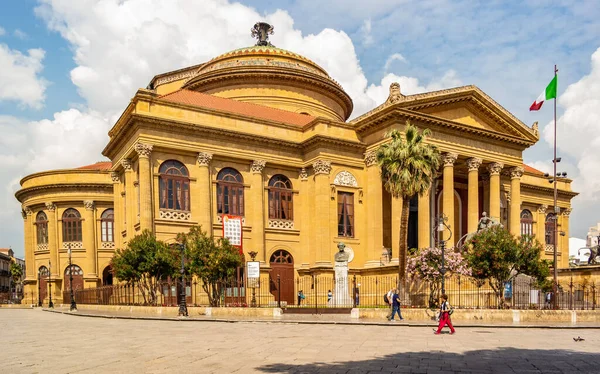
(34, 341)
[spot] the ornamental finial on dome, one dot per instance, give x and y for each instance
(261, 31)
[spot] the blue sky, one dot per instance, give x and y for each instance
(78, 63)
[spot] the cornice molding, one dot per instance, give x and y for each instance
(25, 193)
(549, 190)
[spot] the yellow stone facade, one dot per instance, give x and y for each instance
(270, 114)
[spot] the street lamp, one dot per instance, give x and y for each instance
(50, 303)
(556, 211)
(441, 225)
(73, 304)
(39, 289)
(182, 304)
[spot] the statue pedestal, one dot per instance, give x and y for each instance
(341, 296)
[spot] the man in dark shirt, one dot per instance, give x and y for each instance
(396, 306)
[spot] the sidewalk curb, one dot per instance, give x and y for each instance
(308, 322)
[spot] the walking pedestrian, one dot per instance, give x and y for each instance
(396, 306)
(387, 298)
(300, 297)
(445, 311)
(329, 296)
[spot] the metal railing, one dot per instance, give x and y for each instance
(319, 291)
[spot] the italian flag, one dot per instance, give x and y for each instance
(549, 93)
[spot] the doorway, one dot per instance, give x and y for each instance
(282, 265)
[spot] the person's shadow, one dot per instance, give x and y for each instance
(501, 360)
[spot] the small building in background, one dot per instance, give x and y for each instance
(10, 291)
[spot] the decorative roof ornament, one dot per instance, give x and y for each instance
(535, 129)
(395, 94)
(261, 31)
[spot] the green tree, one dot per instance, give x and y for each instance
(408, 165)
(497, 256)
(145, 262)
(16, 272)
(212, 261)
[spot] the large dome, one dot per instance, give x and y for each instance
(274, 77)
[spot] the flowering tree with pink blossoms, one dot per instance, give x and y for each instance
(425, 264)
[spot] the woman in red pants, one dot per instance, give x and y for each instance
(445, 316)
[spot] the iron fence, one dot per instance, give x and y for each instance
(320, 291)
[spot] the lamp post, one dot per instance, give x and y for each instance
(39, 289)
(50, 303)
(182, 304)
(73, 304)
(555, 232)
(441, 225)
(253, 301)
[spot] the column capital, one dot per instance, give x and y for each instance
(50, 206)
(474, 163)
(567, 212)
(26, 211)
(126, 163)
(495, 168)
(371, 158)
(449, 158)
(542, 209)
(88, 204)
(516, 172)
(143, 150)
(322, 167)
(258, 166)
(303, 174)
(116, 178)
(204, 158)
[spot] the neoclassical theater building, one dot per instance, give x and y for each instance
(264, 134)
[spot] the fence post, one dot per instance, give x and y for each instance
(315, 282)
(278, 291)
(593, 296)
(354, 291)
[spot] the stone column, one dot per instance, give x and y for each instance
(448, 195)
(396, 223)
(130, 204)
(30, 245)
(515, 200)
(89, 240)
(118, 211)
(202, 201)
(302, 215)
(374, 210)
(424, 219)
(53, 238)
(541, 224)
(145, 185)
(473, 194)
(485, 183)
(322, 219)
(257, 190)
(494, 169)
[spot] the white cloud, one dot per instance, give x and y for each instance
(365, 30)
(19, 74)
(391, 59)
(2, 31)
(20, 34)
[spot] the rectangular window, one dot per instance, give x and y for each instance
(345, 214)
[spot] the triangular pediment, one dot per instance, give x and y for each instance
(466, 105)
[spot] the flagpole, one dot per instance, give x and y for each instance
(555, 283)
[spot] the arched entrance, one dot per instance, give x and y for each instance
(43, 286)
(282, 265)
(107, 276)
(77, 281)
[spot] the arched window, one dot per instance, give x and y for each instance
(43, 272)
(280, 198)
(550, 236)
(107, 225)
(230, 192)
(526, 222)
(71, 221)
(77, 278)
(174, 185)
(346, 214)
(281, 257)
(41, 224)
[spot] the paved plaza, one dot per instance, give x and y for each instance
(34, 341)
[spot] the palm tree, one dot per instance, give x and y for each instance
(408, 166)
